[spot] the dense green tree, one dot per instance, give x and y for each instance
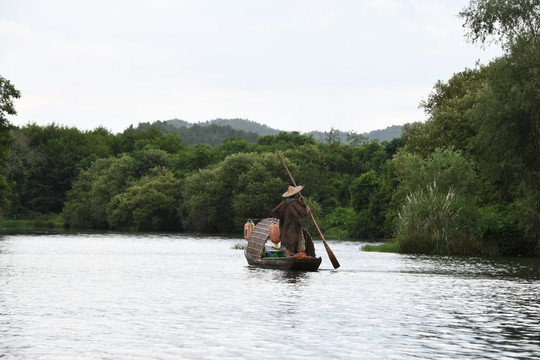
(507, 114)
(283, 140)
(370, 199)
(87, 201)
(172, 144)
(392, 147)
(447, 107)
(355, 139)
(219, 198)
(210, 133)
(341, 223)
(313, 173)
(507, 119)
(45, 161)
(501, 21)
(25, 161)
(213, 134)
(148, 205)
(8, 93)
(132, 139)
(149, 158)
(258, 190)
(207, 195)
(362, 188)
(332, 138)
(447, 168)
(231, 146)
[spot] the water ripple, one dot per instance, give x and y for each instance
(161, 296)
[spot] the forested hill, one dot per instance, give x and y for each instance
(215, 132)
(192, 134)
(245, 125)
(388, 134)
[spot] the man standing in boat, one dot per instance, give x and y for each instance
(290, 213)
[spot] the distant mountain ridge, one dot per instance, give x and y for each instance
(387, 134)
(214, 132)
(391, 132)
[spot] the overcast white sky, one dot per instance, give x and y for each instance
(301, 65)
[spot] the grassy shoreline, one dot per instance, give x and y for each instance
(46, 222)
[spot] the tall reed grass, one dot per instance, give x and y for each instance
(433, 222)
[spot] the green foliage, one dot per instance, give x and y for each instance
(149, 158)
(231, 146)
(7, 94)
(87, 201)
(211, 134)
(312, 172)
(284, 140)
(443, 219)
(45, 160)
(37, 222)
(447, 107)
(362, 189)
(502, 22)
(436, 222)
(491, 115)
(369, 199)
(149, 204)
(447, 167)
(370, 156)
(355, 139)
(507, 119)
(135, 139)
(503, 233)
(245, 125)
(340, 223)
(221, 198)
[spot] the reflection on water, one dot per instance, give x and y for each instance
(522, 268)
(165, 296)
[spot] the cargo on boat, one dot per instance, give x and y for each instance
(259, 254)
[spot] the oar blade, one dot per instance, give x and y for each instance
(333, 259)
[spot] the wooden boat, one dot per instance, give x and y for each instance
(257, 251)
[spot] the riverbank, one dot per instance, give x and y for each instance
(43, 222)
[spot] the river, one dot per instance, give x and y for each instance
(173, 296)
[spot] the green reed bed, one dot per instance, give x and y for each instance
(433, 222)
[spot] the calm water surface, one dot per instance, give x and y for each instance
(116, 296)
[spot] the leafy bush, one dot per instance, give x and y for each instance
(447, 167)
(87, 201)
(150, 204)
(503, 233)
(340, 223)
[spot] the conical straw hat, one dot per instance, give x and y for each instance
(292, 190)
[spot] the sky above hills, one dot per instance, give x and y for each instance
(353, 65)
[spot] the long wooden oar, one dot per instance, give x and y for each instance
(331, 255)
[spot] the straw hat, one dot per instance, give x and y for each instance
(292, 190)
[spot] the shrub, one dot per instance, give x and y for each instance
(432, 222)
(503, 234)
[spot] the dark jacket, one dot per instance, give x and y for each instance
(290, 214)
